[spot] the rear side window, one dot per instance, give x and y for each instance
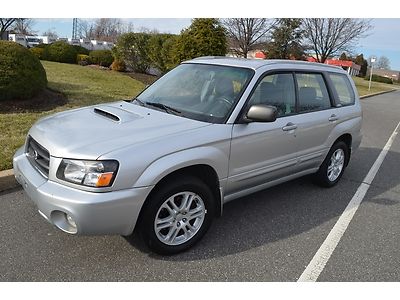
(313, 94)
(343, 88)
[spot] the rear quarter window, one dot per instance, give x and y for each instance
(343, 88)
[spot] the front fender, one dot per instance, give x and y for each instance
(214, 157)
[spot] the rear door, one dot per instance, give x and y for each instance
(317, 118)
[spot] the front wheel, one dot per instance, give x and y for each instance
(177, 215)
(331, 170)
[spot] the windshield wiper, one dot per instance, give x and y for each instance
(166, 108)
(141, 103)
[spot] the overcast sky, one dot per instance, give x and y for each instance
(383, 39)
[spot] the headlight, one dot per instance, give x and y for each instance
(88, 172)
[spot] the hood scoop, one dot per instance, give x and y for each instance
(106, 114)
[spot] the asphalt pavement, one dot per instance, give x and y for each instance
(268, 236)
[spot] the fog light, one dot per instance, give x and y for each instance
(71, 221)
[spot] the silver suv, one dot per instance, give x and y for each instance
(212, 130)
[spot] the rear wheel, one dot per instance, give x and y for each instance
(331, 170)
(177, 215)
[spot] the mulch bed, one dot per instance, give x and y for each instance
(145, 78)
(45, 101)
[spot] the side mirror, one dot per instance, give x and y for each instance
(261, 113)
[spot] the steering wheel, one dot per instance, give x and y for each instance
(225, 101)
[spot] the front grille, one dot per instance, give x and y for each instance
(38, 156)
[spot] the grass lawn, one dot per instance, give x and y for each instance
(81, 85)
(362, 86)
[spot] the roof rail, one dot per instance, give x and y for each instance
(209, 57)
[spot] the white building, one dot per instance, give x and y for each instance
(32, 41)
(18, 38)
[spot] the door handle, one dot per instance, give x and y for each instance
(289, 126)
(333, 118)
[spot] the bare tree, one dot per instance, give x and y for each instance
(383, 63)
(51, 33)
(4, 25)
(105, 29)
(87, 29)
(244, 33)
(24, 26)
(108, 29)
(331, 36)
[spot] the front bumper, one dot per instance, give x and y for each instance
(114, 212)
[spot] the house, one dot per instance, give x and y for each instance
(352, 68)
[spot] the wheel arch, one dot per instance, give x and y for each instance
(204, 172)
(347, 139)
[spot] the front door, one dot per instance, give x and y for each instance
(263, 152)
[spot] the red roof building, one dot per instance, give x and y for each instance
(352, 68)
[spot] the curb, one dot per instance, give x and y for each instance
(7, 180)
(378, 93)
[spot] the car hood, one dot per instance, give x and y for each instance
(96, 130)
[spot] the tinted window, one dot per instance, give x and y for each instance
(276, 90)
(343, 88)
(313, 94)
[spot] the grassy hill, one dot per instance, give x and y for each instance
(77, 86)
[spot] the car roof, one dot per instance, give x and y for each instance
(258, 63)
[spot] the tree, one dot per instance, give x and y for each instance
(161, 51)
(328, 37)
(286, 40)
(246, 32)
(133, 49)
(50, 33)
(361, 61)
(383, 63)
(343, 56)
(24, 26)
(4, 25)
(87, 29)
(107, 29)
(203, 37)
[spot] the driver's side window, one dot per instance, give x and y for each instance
(276, 90)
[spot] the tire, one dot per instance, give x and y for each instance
(188, 224)
(330, 178)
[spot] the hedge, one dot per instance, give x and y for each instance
(60, 52)
(83, 59)
(378, 78)
(101, 57)
(22, 76)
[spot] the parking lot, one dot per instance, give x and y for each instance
(269, 236)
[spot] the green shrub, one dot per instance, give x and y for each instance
(378, 78)
(61, 52)
(101, 57)
(22, 76)
(38, 52)
(81, 50)
(161, 51)
(118, 65)
(42, 46)
(83, 59)
(133, 49)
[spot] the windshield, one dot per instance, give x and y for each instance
(201, 92)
